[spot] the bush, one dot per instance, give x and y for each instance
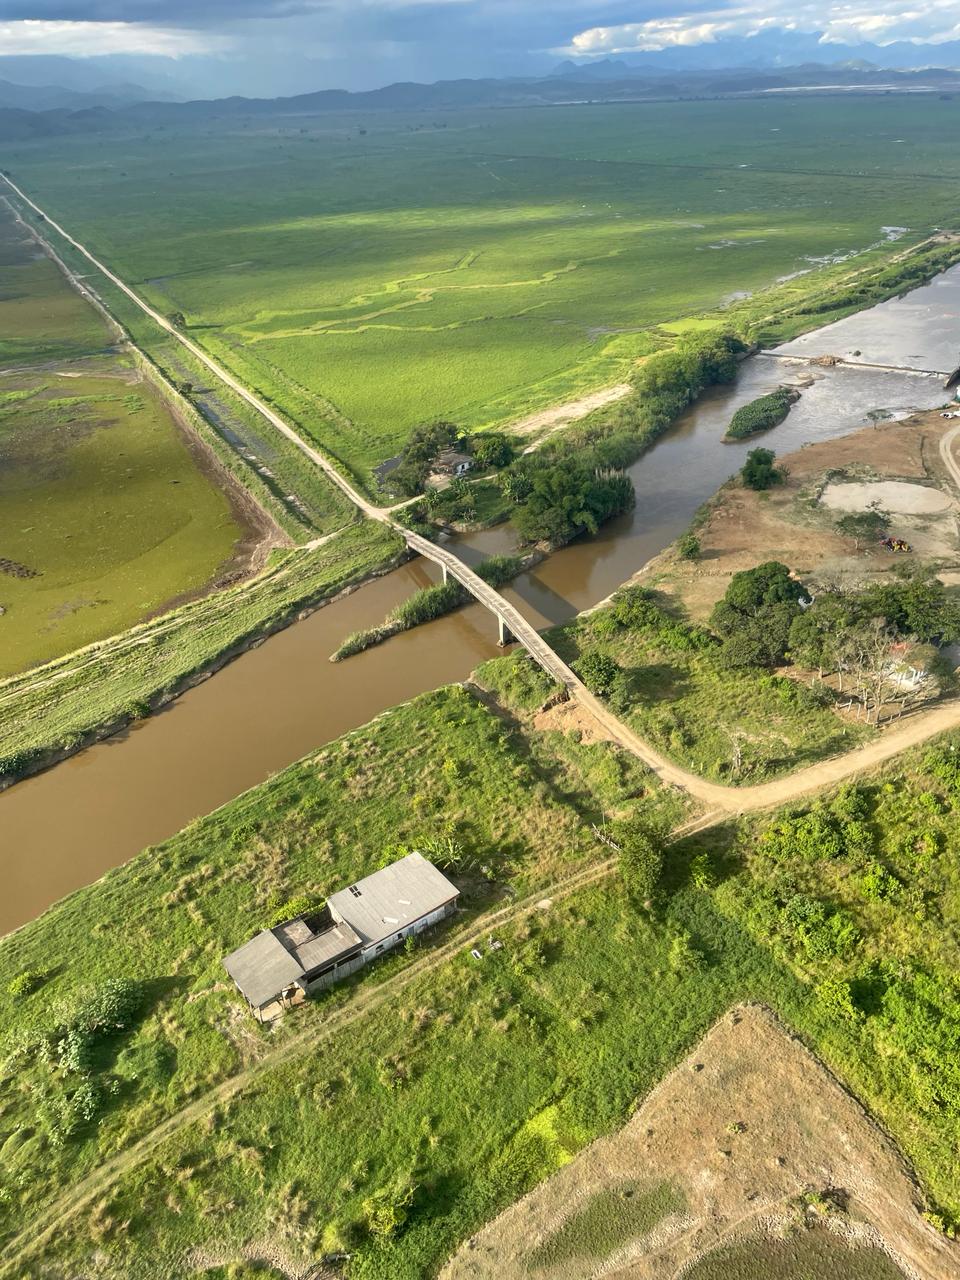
(761, 414)
(497, 570)
(25, 983)
(641, 858)
(758, 472)
(301, 905)
(688, 546)
(425, 605)
(598, 671)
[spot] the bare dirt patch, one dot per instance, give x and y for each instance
(546, 421)
(897, 462)
(742, 1129)
(896, 496)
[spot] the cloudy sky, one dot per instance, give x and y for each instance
(277, 46)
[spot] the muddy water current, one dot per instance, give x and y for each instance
(66, 827)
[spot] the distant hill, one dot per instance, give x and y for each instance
(51, 97)
(614, 81)
(775, 48)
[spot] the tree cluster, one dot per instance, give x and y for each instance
(754, 618)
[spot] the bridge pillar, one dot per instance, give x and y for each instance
(506, 637)
(445, 573)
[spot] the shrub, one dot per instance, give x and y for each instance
(497, 570)
(641, 858)
(758, 472)
(598, 671)
(688, 546)
(25, 983)
(424, 606)
(301, 905)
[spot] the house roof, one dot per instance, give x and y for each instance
(262, 968)
(452, 458)
(275, 958)
(385, 902)
(327, 947)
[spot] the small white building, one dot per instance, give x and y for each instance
(281, 966)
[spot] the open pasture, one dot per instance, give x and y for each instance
(104, 514)
(40, 318)
(370, 272)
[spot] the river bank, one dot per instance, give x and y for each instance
(279, 699)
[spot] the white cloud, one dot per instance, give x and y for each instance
(883, 22)
(91, 39)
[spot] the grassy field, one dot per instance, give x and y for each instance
(483, 1077)
(367, 282)
(455, 770)
(64, 703)
(40, 318)
(610, 1219)
(104, 514)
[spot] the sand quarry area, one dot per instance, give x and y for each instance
(741, 1139)
(896, 465)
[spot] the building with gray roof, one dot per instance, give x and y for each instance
(280, 966)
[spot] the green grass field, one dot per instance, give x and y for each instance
(474, 1080)
(40, 317)
(104, 514)
(480, 265)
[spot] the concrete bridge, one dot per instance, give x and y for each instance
(513, 625)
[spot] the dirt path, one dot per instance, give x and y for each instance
(561, 415)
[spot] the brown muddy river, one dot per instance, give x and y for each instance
(274, 704)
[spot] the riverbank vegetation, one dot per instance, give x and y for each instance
(442, 773)
(761, 414)
(55, 709)
(674, 683)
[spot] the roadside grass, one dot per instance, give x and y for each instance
(442, 767)
(610, 1219)
(805, 1254)
(58, 707)
(103, 506)
(551, 251)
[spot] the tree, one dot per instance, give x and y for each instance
(641, 858)
(178, 319)
(567, 499)
(758, 472)
(755, 616)
(517, 484)
(688, 546)
(864, 526)
(598, 671)
(493, 449)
